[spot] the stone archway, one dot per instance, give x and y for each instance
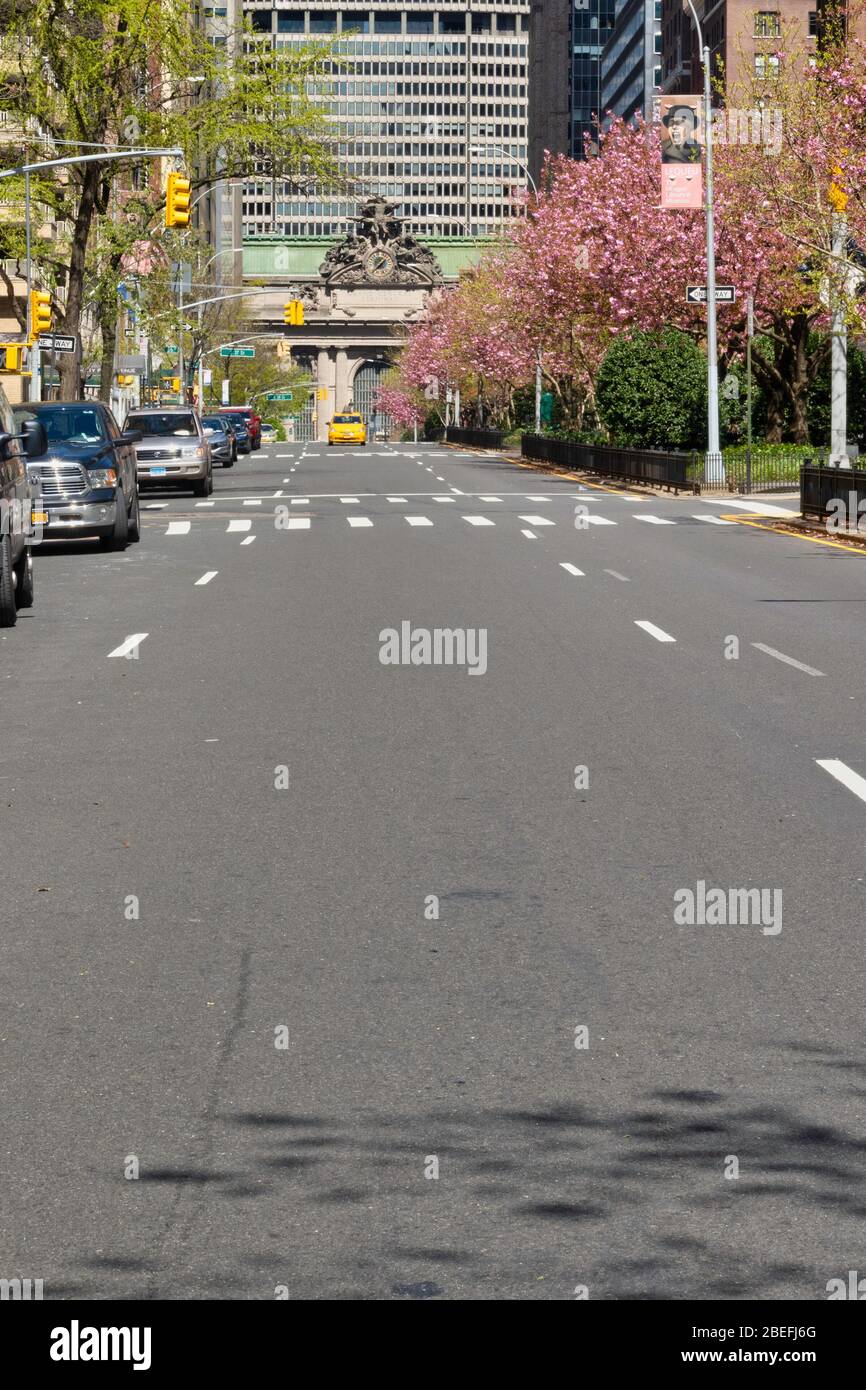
(367, 377)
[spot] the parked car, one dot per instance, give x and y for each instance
(16, 556)
(222, 440)
(173, 448)
(86, 481)
(251, 419)
(347, 429)
(239, 429)
(269, 434)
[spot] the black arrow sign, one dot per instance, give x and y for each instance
(697, 294)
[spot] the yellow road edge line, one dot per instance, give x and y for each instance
(795, 535)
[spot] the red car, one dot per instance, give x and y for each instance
(252, 421)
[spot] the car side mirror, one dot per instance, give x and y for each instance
(130, 437)
(35, 439)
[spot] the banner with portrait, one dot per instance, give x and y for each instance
(682, 151)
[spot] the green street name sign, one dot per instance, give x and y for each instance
(237, 352)
(279, 396)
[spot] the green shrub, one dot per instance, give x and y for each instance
(652, 391)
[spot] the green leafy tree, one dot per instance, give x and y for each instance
(652, 391)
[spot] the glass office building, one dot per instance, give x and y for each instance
(631, 73)
(591, 26)
(432, 114)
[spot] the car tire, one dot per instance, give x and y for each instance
(24, 590)
(8, 606)
(119, 538)
(135, 520)
(230, 463)
(199, 488)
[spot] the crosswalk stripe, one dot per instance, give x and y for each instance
(530, 498)
(489, 499)
(205, 504)
(479, 521)
(654, 631)
(396, 499)
(298, 523)
(599, 521)
(654, 520)
(572, 569)
(716, 520)
(359, 521)
(206, 578)
(349, 500)
(538, 521)
(419, 521)
(178, 528)
(248, 540)
(443, 499)
(129, 644)
(530, 535)
(239, 526)
(299, 502)
(155, 506)
(253, 502)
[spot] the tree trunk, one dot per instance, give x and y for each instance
(71, 375)
(108, 327)
(798, 379)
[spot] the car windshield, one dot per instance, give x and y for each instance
(212, 422)
(72, 424)
(155, 423)
(245, 413)
(347, 419)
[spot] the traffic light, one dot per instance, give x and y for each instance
(13, 356)
(175, 383)
(177, 197)
(40, 312)
(124, 379)
(293, 312)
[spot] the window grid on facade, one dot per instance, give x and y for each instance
(430, 91)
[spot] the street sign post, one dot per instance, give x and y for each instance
(57, 342)
(237, 352)
(697, 294)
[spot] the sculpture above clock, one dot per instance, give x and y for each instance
(380, 253)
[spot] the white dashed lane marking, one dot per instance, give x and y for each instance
(530, 535)
(654, 631)
(239, 526)
(205, 504)
(298, 523)
(789, 660)
(359, 521)
(253, 502)
(481, 520)
(129, 644)
(538, 521)
(841, 771)
(206, 578)
(654, 520)
(419, 521)
(396, 499)
(571, 569)
(178, 528)
(249, 540)
(615, 574)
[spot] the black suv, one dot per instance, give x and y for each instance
(16, 558)
(87, 481)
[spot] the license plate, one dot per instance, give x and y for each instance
(158, 470)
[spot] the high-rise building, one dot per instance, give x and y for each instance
(631, 70)
(743, 37)
(591, 25)
(430, 111)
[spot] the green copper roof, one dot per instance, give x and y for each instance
(302, 255)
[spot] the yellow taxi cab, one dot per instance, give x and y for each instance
(347, 429)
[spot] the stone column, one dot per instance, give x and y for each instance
(342, 379)
(324, 381)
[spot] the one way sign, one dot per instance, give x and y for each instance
(697, 294)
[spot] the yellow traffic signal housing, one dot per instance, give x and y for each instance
(322, 393)
(175, 383)
(124, 379)
(177, 200)
(293, 312)
(40, 312)
(13, 356)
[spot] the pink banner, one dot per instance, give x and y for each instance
(681, 150)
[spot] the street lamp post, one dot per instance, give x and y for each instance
(713, 467)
